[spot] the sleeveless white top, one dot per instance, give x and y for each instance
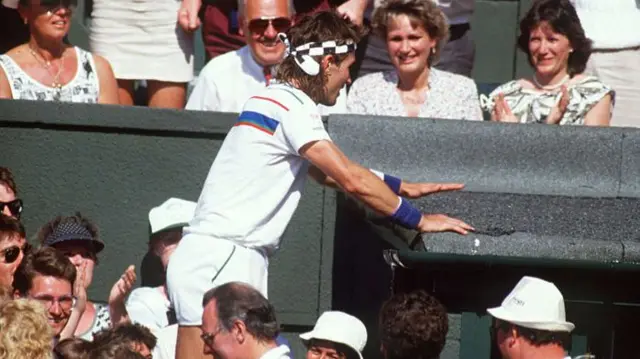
(84, 88)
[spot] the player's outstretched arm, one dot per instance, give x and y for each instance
(363, 184)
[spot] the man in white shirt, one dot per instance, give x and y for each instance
(229, 80)
(531, 322)
(239, 322)
(258, 175)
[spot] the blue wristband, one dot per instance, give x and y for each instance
(407, 215)
(393, 183)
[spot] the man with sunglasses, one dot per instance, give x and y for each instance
(47, 276)
(12, 248)
(10, 204)
(531, 322)
(228, 81)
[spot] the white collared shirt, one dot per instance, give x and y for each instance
(281, 352)
(228, 81)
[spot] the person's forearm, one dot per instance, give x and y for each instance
(371, 190)
(70, 329)
(118, 313)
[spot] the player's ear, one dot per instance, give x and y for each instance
(327, 61)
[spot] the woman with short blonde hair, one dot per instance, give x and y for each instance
(24, 330)
(415, 32)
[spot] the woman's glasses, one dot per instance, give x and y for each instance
(12, 253)
(259, 26)
(15, 207)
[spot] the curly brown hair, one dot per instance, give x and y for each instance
(73, 348)
(562, 17)
(44, 261)
(6, 178)
(422, 13)
(413, 326)
(323, 26)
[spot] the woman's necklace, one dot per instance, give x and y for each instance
(56, 84)
(550, 87)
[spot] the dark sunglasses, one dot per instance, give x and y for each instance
(54, 5)
(15, 207)
(12, 253)
(259, 26)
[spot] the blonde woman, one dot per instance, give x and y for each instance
(24, 330)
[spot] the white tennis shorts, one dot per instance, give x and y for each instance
(201, 263)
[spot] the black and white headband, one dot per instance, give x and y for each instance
(303, 53)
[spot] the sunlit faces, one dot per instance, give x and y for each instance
(324, 349)
(409, 44)
(51, 19)
(337, 75)
(549, 51)
(11, 254)
(261, 36)
(56, 296)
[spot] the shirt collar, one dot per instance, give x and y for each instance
(280, 352)
(249, 63)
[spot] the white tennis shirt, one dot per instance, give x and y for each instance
(257, 177)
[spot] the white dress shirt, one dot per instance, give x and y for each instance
(229, 80)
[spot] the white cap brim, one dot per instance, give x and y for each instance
(553, 326)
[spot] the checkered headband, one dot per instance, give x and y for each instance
(303, 53)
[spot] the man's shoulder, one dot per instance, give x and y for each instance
(227, 65)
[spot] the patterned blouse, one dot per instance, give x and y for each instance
(101, 321)
(450, 96)
(84, 87)
(532, 106)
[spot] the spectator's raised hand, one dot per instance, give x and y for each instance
(502, 111)
(354, 10)
(557, 112)
(442, 223)
(188, 15)
(80, 293)
(118, 295)
(417, 190)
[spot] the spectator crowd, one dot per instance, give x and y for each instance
(407, 58)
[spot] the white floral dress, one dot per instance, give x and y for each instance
(532, 106)
(450, 96)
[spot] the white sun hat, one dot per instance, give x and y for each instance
(173, 213)
(536, 304)
(339, 327)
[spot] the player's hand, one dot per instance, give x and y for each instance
(188, 15)
(442, 223)
(417, 190)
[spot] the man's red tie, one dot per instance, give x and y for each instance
(267, 74)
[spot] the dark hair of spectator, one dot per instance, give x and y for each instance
(167, 237)
(323, 26)
(561, 16)
(43, 261)
(78, 218)
(340, 348)
(10, 228)
(238, 301)
(413, 326)
(422, 13)
(535, 337)
(72, 348)
(6, 178)
(126, 333)
(115, 350)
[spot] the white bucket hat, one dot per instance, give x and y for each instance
(173, 213)
(536, 304)
(339, 327)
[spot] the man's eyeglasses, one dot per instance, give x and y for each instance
(66, 302)
(15, 207)
(12, 253)
(208, 338)
(260, 25)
